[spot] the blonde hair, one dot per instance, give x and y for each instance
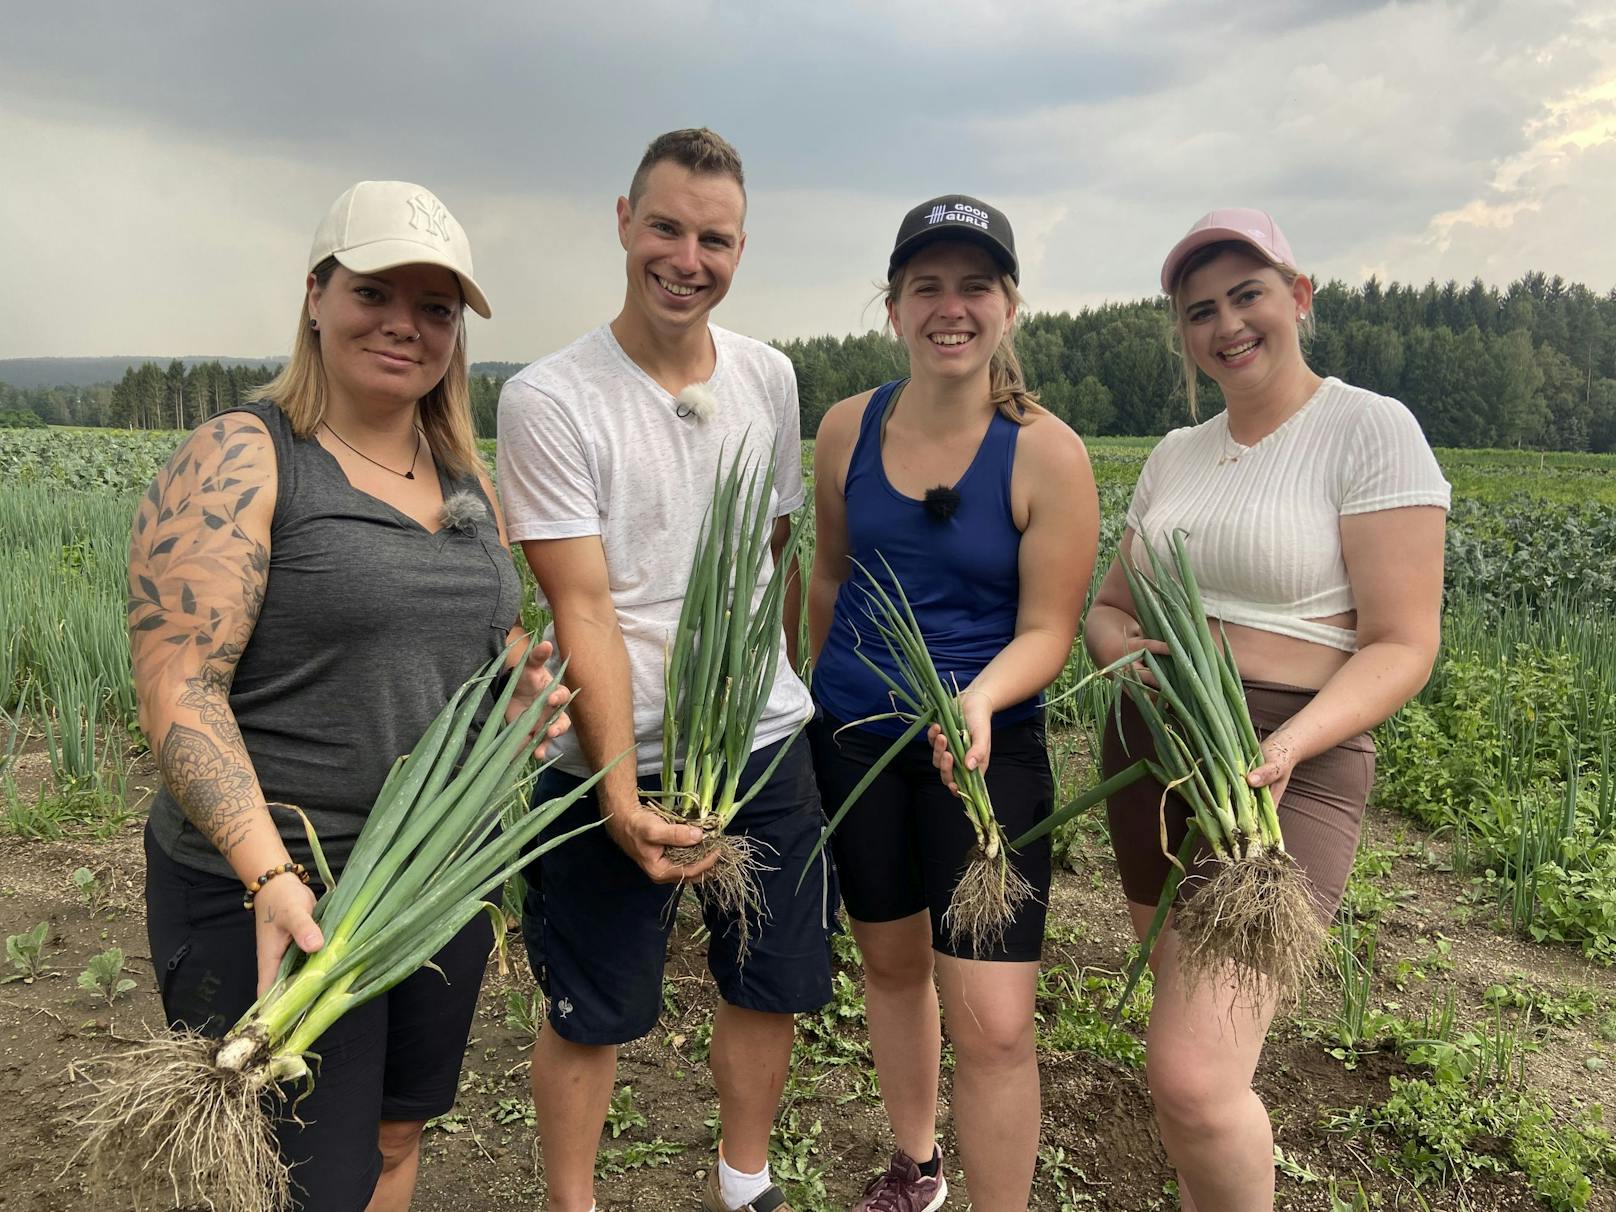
(1007, 386)
(299, 391)
(1205, 256)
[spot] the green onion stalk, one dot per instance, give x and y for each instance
(990, 890)
(182, 1119)
(718, 671)
(1252, 922)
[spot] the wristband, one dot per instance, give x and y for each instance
(257, 886)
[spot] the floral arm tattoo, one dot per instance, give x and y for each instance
(198, 565)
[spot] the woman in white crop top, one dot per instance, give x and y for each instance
(1315, 514)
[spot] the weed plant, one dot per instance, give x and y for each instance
(524, 1014)
(1077, 1012)
(96, 806)
(622, 1115)
(1432, 1132)
(1071, 1187)
(636, 1155)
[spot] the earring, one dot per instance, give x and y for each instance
(314, 325)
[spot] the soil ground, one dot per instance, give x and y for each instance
(1100, 1147)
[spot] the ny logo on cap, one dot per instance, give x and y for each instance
(427, 214)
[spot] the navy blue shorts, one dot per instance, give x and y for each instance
(395, 1058)
(902, 847)
(597, 928)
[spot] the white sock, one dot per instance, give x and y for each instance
(737, 1189)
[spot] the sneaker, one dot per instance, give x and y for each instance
(903, 1188)
(772, 1200)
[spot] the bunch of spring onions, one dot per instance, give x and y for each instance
(182, 1119)
(1253, 920)
(990, 890)
(719, 669)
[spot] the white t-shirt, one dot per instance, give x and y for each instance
(589, 444)
(1264, 521)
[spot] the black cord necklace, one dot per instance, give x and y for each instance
(408, 475)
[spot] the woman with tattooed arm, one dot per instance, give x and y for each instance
(310, 578)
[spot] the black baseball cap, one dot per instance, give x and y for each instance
(956, 217)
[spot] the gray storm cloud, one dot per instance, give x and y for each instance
(166, 162)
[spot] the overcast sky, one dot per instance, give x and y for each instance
(163, 164)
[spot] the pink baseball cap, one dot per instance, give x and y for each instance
(1254, 228)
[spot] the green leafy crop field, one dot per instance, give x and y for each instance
(1456, 1054)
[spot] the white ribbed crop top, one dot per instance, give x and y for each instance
(1263, 521)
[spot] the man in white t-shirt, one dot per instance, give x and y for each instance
(605, 473)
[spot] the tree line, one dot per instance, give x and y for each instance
(151, 396)
(1532, 365)
(148, 396)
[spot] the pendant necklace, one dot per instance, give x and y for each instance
(1228, 441)
(407, 475)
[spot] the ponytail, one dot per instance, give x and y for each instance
(1007, 387)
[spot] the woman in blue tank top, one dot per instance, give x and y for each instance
(310, 578)
(984, 506)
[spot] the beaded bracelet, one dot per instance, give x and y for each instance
(257, 886)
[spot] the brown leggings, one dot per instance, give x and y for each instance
(1320, 816)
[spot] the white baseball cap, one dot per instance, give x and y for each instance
(378, 225)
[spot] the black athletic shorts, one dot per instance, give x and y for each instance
(394, 1058)
(903, 846)
(597, 928)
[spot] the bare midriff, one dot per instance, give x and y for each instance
(1264, 656)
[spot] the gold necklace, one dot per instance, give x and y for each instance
(1228, 440)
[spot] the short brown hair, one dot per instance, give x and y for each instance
(696, 148)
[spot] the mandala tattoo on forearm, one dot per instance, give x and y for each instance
(214, 788)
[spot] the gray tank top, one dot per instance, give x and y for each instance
(369, 624)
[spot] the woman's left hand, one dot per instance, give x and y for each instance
(1275, 771)
(977, 710)
(532, 682)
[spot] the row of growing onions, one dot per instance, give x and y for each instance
(64, 652)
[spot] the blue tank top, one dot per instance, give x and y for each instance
(961, 575)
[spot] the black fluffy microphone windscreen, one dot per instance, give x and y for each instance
(941, 502)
